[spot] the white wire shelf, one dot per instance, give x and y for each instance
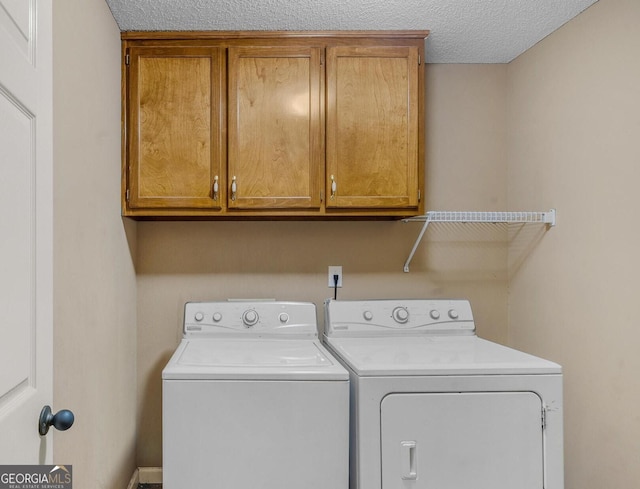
(548, 218)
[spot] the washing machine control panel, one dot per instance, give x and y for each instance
(392, 317)
(261, 318)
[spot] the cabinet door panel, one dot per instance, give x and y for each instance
(175, 129)
(372, 127)
(275, 131)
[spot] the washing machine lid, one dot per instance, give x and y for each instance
(435, 355)
(253, 359)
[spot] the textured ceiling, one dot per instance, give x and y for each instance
(462, 31)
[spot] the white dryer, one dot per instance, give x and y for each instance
(435, 407)
(252, 400)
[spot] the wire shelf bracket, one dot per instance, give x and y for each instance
(548, 218)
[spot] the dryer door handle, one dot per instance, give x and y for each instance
(408, 460)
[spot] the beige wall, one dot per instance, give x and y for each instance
(574, 143)
(94, 279)
(466, 168)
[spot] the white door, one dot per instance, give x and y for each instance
(479, 440)
(25, 228)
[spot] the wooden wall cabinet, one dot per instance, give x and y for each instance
(275, 127)
(251, 125)
(175, 137)
(373, 128)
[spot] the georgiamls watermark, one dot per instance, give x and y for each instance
(36, 477)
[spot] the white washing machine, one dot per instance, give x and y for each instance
(435, 407)
(252, 400)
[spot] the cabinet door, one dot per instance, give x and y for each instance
(372, 127)
(275, 131)
(175, 127)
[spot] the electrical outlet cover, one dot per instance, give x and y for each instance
(335, 270)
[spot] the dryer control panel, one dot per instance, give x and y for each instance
(246, 318)
(394, 317)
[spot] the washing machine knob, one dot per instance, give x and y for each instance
(435, 314)
(400, 314)
(217, 317)
(284, 317)
(453, 314)
(199, 316)
(368, 315)
(250, 317)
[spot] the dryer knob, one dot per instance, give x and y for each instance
(400, 314)
(199, 316)
(250, 317)
(435, 314)
(217, 317)
(368, 315)
(453, 314)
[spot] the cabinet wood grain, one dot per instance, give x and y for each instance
(372, 126)
(275, 136)
(273, 125)
(175, 127)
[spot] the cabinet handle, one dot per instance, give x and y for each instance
(234, 188)
(214, 189)
(334, 187)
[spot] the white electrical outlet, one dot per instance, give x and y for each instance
(335, 270)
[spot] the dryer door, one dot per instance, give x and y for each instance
(483, 440)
